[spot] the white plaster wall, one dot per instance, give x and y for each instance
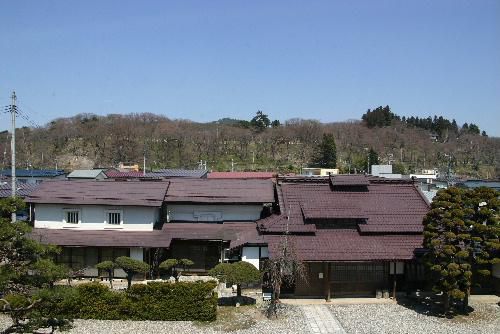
(251, 255)
(229, 212)
(93, 216)
(136, 253)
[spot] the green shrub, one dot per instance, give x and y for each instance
(154, 301)
(58, 302)
(179, 301)
(97, 301)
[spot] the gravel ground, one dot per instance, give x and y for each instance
(249, 320)
(394, 318)
(361, 318)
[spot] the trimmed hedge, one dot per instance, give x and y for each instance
(154, 301)
(169, 301)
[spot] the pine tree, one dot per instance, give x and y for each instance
(326, 153)
(461, 234)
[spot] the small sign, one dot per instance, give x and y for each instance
(266, 295)
(320, 275)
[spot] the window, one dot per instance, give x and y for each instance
(114, 217)
(71, 216)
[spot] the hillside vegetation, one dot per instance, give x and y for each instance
(88, 140)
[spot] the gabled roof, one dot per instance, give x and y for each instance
(86, 173)
(384, 216)
(220, 191)
(33, 172)
(100, 192)
(242, 175)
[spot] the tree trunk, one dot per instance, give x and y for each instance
(276, 292)
(238, 290)
(129, 281)
(110, 276)
(465, 302)
(446, 301)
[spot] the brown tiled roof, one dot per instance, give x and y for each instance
(388, 215)
(242, 175)
(350, 180)
(386, 206)
(101, 238)
(124, 175)
(349, 245)
(237, 234)
(100, 192)
(281, 223)
(220, 191)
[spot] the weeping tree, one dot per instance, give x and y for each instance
(131, 267)
(109, 267)
(461, 235)
(283, 267)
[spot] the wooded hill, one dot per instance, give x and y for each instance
(87, 140)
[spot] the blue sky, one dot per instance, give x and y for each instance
(204, 60)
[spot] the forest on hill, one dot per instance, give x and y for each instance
(409, 143)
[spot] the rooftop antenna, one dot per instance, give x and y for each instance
(13, 112)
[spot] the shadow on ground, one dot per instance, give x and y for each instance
(231, 301)
(431, 305)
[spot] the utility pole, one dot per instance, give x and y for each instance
(13, 111)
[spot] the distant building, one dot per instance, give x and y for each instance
(128, 167)
(427, 175)
(312, 171)
(385, 171)
(34, 176)
(87, 174)
(493, 184)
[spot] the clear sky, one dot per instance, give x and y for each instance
(204, 60)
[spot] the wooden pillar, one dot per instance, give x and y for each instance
(394, 283)
(326, 281)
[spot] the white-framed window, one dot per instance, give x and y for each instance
(114, 217)
(72, 216)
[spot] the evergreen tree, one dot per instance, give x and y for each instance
(260, 122)
(25, 265)
(325, 153)
(372, 157)
(461, 234)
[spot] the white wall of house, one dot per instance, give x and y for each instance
(94, 217)
(200, 212)
(253, 256)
